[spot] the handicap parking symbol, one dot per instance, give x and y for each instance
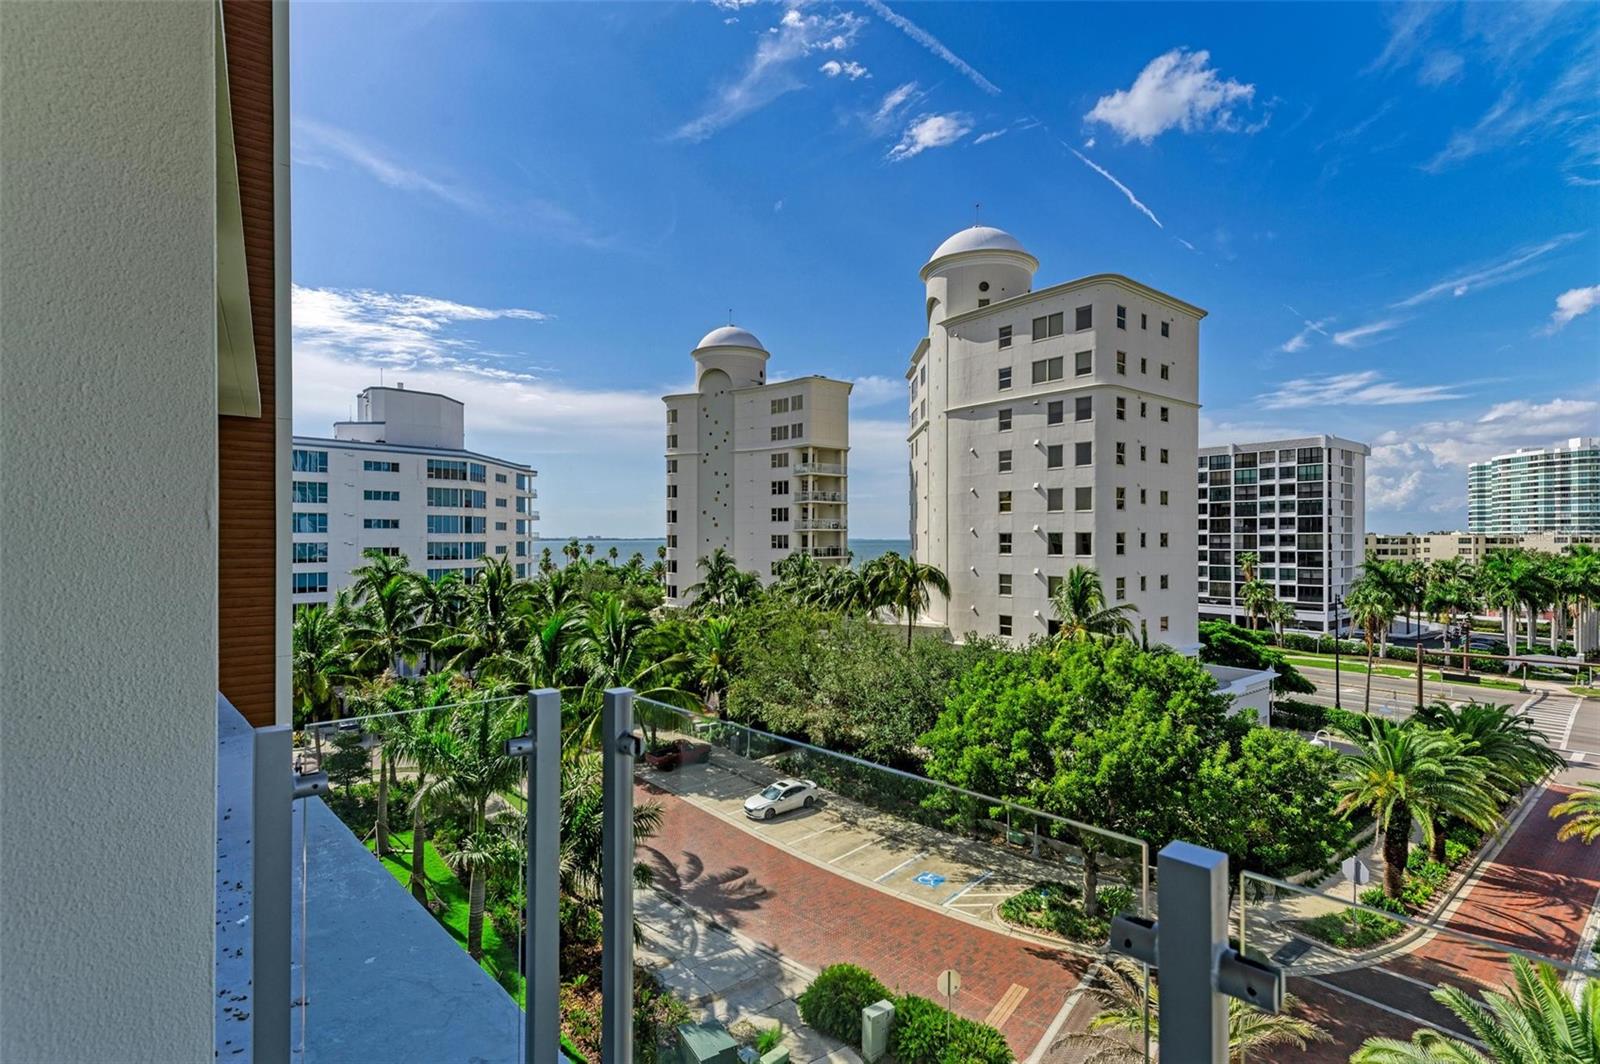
(930, 879)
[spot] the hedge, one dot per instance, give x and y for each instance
(925, 1032)
(834, 1000)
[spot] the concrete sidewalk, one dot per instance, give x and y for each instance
(724, 976)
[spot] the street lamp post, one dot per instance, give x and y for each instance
(1338, 603)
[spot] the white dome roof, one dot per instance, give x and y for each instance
(729, 336)
(978, 238)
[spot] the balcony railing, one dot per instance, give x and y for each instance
(827, 552)
(827, 469)
(815, 525)
(820, 496)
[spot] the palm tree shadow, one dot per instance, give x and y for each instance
(722, 895)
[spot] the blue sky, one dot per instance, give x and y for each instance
(1392, 213)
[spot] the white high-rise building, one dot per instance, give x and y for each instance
(757, 469)
(399, 480)
(1300, 505)
(1036, 446)
(1544, 489)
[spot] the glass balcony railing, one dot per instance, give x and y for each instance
(820, 496)
(812, 524)
(831, 469)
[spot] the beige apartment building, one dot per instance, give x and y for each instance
(1468, 546)
(758, 469)
(1050, 428)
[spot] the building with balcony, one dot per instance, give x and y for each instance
(398, 480)
(757, 469)
(1547, 489)
(1298, 505)
(1467, 546)
(1036, 447)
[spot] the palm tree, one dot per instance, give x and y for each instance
(902, 584)
(1532, 585)
(438, 604)
(1452, 592)
(1279, 615)
(494, 623)
(1583, 584)
(1497, 585)
(472, 768)
(1583, 811)
(1393, 579)
(1080, 605)
(1401, 773)
(723, 585)
(1371, 607)
(320, 661)
(1537, 1022)
(616, 648)
(421, 740)
(550, 656)
(384, 632)
(1258, 597)
(710, 663)
(379, 571)
(1116, 1032)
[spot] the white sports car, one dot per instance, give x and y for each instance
(781, 797)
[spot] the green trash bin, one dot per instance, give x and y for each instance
(706, 1043)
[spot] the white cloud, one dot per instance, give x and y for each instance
(1186, 244)
(1089, 143)
(889, 108)
(1364, 388)
(1302, 339)
(777, 208)
(732, 5)
(770, 71)
(1573, 303)
(932, 44)
(879, 495)
(930, 131)
(315, 138)
(854, 71)
(1512, 268)
(1124, 189)
(392, 329)
(1440, 68)
(1409, 26)
(1361, 335)
(875, 390)
(993, 134)
(1175, 90)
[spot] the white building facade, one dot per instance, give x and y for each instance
(760, 470)
(1548, 489)
(1468, 546)
(1051, 428)
(1300, 506)
(399, 480)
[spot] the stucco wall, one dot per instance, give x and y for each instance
(107, 531)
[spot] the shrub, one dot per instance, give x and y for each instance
(1375, 898)
(927, 1033)
(1058, 907)
(1455, 852)
(1353, 928)
(834, 1000)
(1301, 716)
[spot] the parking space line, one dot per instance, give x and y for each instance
(899, 866)
(968, 887)
(858, 849)
(814, 834)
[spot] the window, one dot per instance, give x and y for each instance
(500, 526)
(1122, 543)
(1122, 363)
(1164, 456)
(1122, 498)
(1005, 337)
(1164, 332)
(1143, 496)
(1005, 502)
(1083, 498)
(672, 491)
(1048, 326)
(780, 406)
(1055, 499)
(1083, 453)
(1162, 583)
(1144, 583)
(983, 301)
(1003, 419)
(310, 552)
(1144, 452)
(1122, 316)
(1122, 454)
(1164, 539)
(499, 478)
(780, 513)
(1003, 464)
(1055, 412)
(1163, 497)
(780, 487)
(1166, 371)
(797, 402)
(311, 523)
(1083, 408)
(1144, 365)
(311, 491)
(1122, 408)
(1122, 588)
(309, 461)
(780, 541)
(501, 549)
(373, 466)
(672, 517)
(1055, 544)
(778, 432)
(1054, 456)
(443, 469)
(310, 583)
(1004, 546)
(780, 460)
(500, 502)
(371, 495)
(672, 417)
(1003, 376)
(1085, 543)
(797, 430)
(1083, 363)
(477, 473)
(1144, 321)
(672, 590)
(1049, 369)
(1083, 318)
(1166, 413)
(1005, 624)
(379, 522)
(1164, 624)
(1004, 583)
(672, 441)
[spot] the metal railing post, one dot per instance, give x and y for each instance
(274, 789)
(1192, 898)
(541, 945)
(621, 751)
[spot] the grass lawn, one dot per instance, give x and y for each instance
(498, 956)
(1589, 692)
(1358, 665)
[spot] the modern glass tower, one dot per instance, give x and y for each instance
(1550, 489)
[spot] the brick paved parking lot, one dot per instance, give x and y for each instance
(816, 916)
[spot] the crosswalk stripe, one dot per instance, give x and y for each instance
(1006, 1005)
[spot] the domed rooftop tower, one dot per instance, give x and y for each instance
(735, 352)
(976, 267)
